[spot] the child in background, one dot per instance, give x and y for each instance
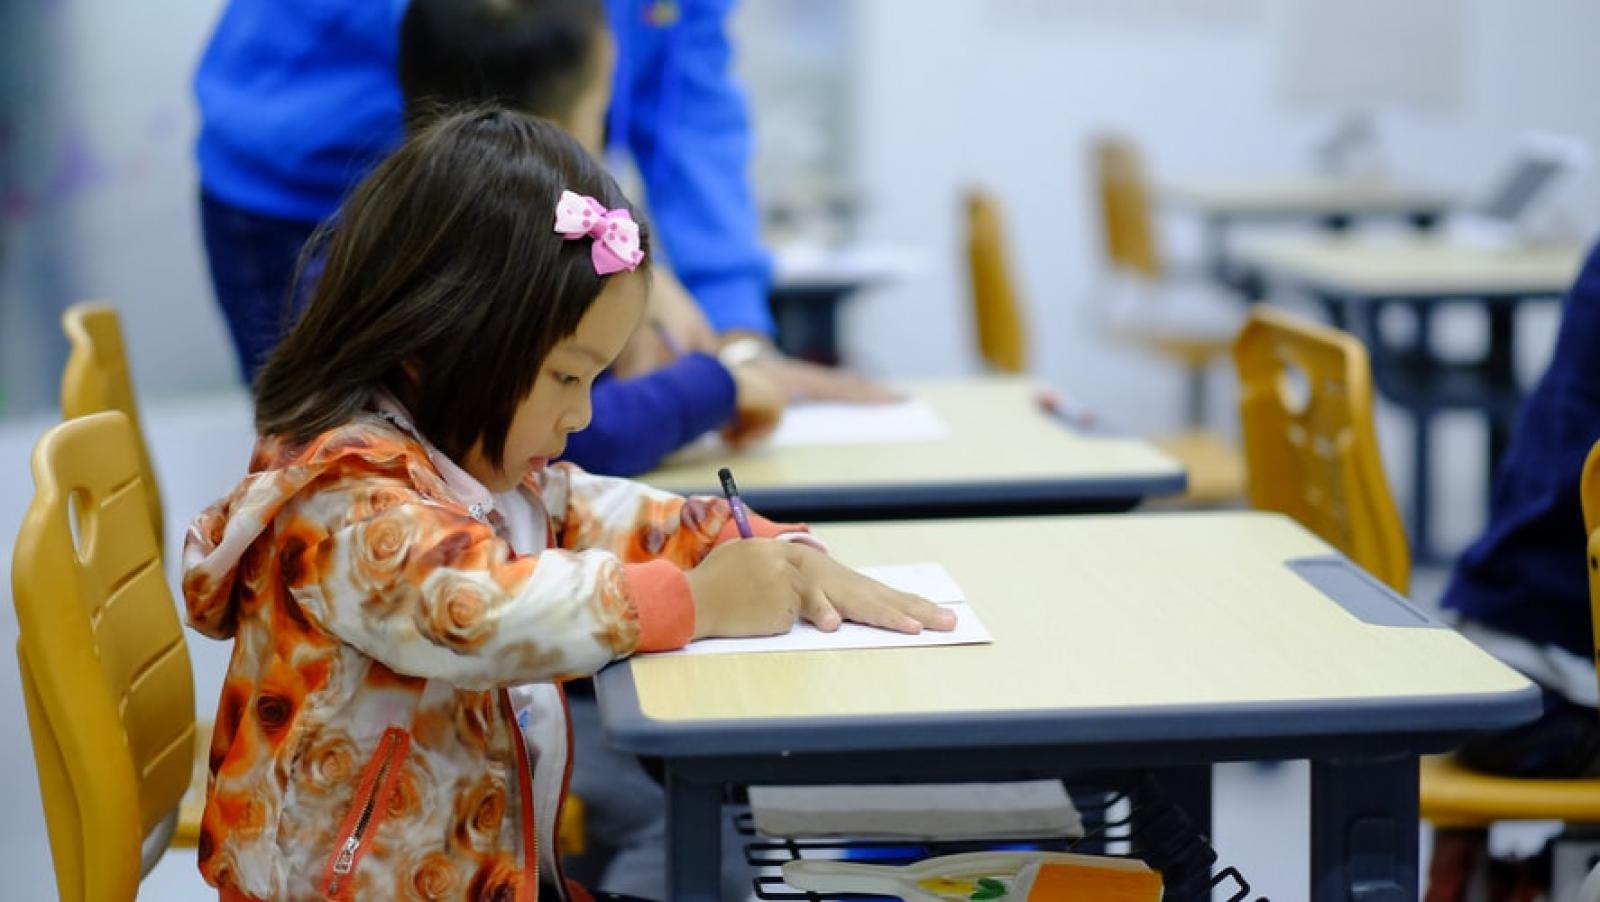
(554, 58)
(402, 553)
(1521, 590)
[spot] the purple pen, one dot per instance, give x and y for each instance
(735, 504)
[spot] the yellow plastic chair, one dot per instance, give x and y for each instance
(1162, 323)
(1002, 339)
(1311, 451)
(96, 378)
(1215, 470)
(1455, 797)
(105, 671)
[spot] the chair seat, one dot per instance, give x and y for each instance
(1194, 327)
(1192, 351)
(1453, 796)
(1214, 466)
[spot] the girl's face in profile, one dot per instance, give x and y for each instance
(558, 404)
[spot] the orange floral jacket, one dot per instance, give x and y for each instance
(387, 640)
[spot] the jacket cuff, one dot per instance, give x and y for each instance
(663, 603)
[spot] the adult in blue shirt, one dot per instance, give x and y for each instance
(298, 100)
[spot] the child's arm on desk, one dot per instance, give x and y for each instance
(740, 588)
(639, 523)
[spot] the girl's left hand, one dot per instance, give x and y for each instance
(831, 593)
(758, 406)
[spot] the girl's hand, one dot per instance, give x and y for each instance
(832, 593)
(745, 588)
(757, 587)
(760, 401)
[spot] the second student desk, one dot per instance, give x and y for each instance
(1003, 455)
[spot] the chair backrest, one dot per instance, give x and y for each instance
(1127, 233)
(105, 671)
(1590, 489)
(996, 309)
(1311, 450)
(96, 378)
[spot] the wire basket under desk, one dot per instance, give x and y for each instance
(1152, 829)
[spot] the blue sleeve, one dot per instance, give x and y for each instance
(684, 120)
(637, 422)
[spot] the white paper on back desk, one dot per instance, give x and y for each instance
(830, 423)
(931, 581)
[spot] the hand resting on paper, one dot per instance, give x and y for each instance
(758, 587)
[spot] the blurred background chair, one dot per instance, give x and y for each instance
(1215, 470)
(96, 378)
(1188, 321)
(1311, 451)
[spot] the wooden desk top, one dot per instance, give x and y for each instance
(1306, 196)
(1001, 447)
(1434, 267)
(1101, 623)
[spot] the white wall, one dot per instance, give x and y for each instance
(971, 91)
(104, 202)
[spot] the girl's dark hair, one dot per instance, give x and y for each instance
(443, 261)
(529, 55)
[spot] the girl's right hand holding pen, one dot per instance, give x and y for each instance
(758, 587)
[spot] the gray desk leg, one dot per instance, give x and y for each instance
(1502, 366)
(1189, 788)
(1364, 830)
(694, 839)
(1215, 238)
(1166, 837)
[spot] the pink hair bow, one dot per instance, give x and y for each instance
(615, 234)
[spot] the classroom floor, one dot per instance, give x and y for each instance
(200, 447)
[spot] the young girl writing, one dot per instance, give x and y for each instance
(401, 556)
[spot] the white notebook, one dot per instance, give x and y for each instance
(829, 423)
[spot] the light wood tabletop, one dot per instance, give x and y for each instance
(1303, 196)
(1126, 613)
(1424, 267)
(1001, 451)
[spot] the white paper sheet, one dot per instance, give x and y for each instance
(930, 580)
(828, 423)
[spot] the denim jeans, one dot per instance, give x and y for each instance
(252, 260)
